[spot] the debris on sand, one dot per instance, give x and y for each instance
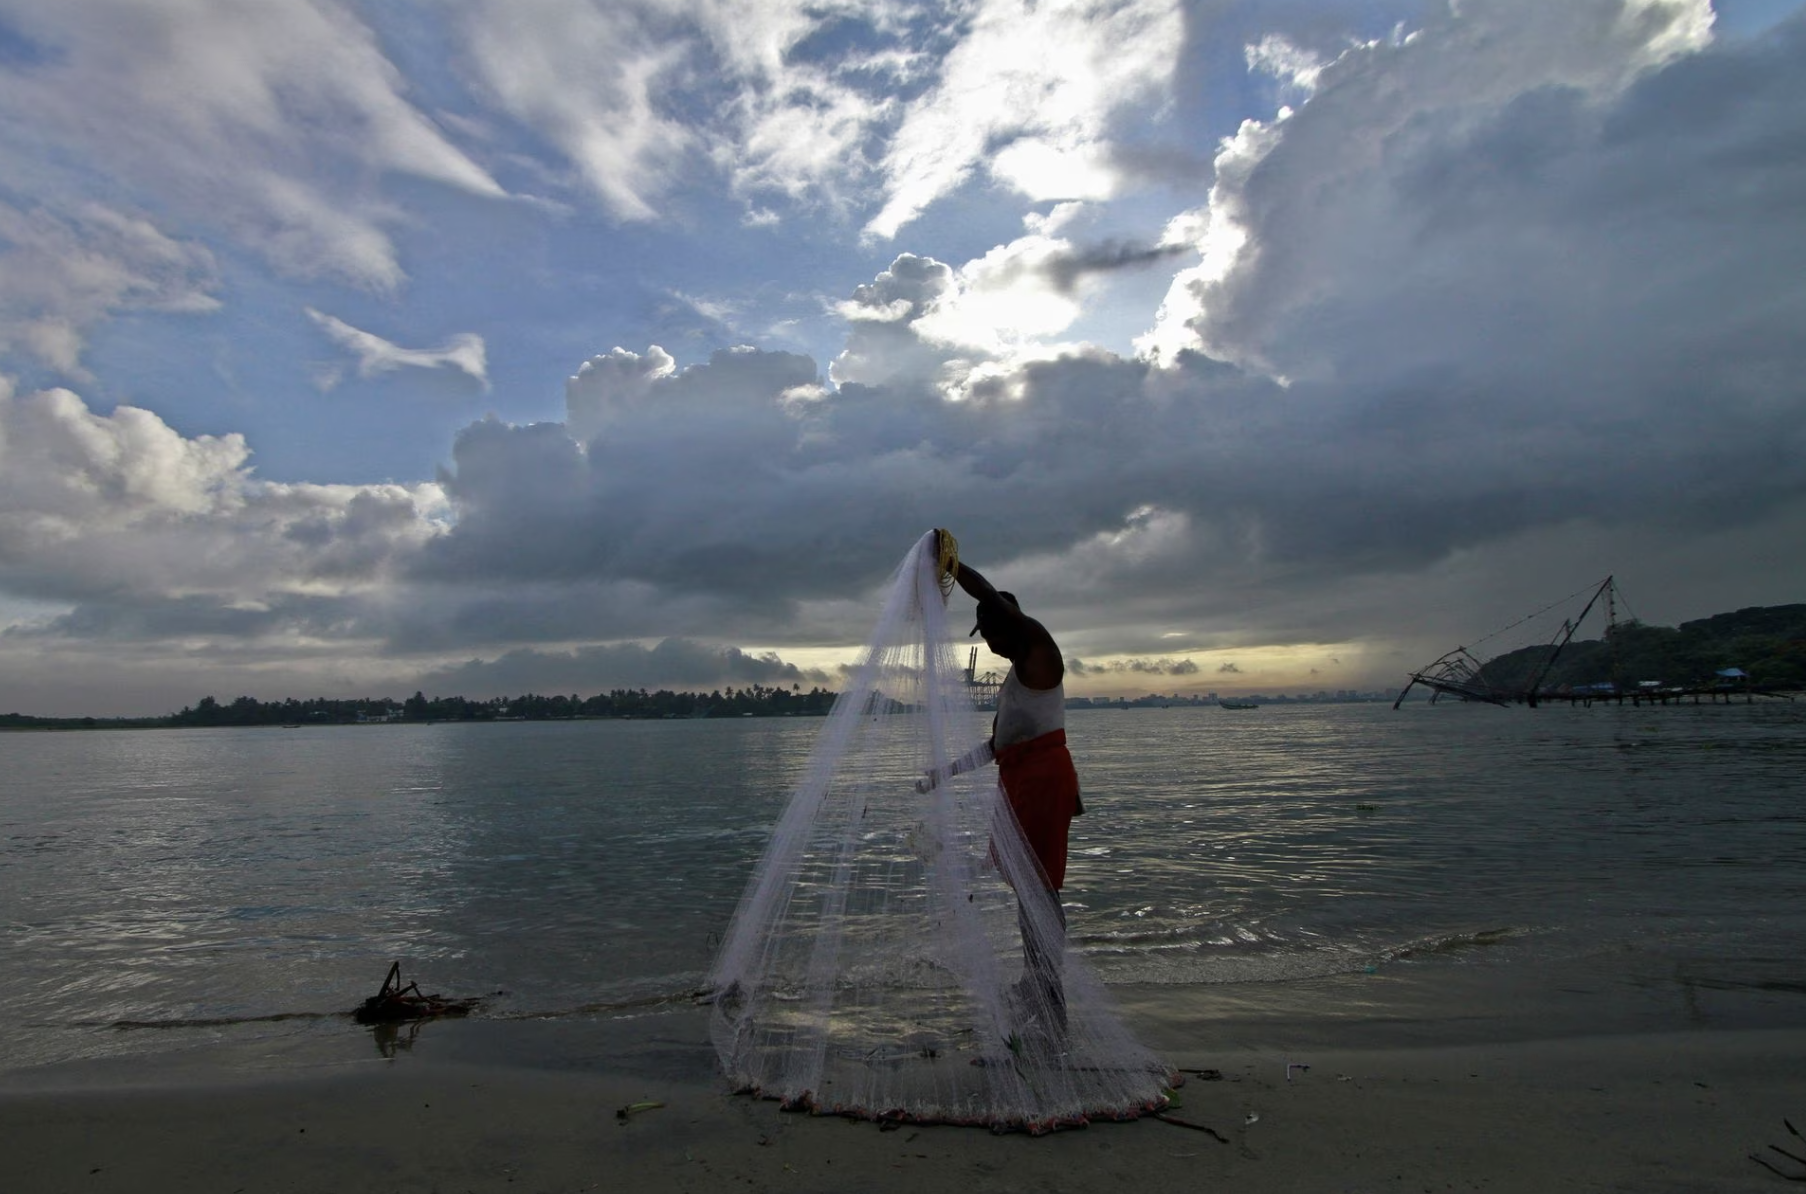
(396, 1002)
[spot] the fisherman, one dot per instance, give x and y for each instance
(1028, 739)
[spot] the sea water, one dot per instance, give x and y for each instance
(166, 887)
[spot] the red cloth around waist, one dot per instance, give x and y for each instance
(1043, 790)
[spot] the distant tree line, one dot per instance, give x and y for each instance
(755, 701)
(1767, 643)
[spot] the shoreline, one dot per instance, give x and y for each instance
(520, 1106)
(1512, 990)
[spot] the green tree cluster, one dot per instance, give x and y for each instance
(1767, 642)
(756, 701)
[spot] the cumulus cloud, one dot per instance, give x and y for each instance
(70, 470)
(122, 509)
(1011, 303)
(883, 346)
(669, 484)
(463, 353)
(1312, 192)
(1010, 297)
(713, 480)
(962, 330)
(1295, 67)
(611, 386)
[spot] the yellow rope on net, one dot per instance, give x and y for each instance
(949, 561)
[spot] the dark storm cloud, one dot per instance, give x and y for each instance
(1065, 271)
(654, 495)
(713, 483)
(1163, 165)
(1145, 667)
(1569, 305)
(152, 618)
(441, 618)
(674, 663)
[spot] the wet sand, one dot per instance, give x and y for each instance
(533, 1106)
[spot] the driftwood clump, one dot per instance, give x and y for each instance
(396, 1002)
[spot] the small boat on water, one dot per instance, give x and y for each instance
(1226, 703)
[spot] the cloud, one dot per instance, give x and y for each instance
(1512, 297)
(283, 126)
(274, 122)
(121, 508)
(463, 353)
(783, 98)
(1456, 385)
(60, 275)
(157, 567)
(1066, 270)
(720, 313)
(1296, 68)
(924, 323)
(818, 105)
(534, 502)
(713, 481)
(1041, 82)
(588, 79)
(883, 347)
(674, 663)
(1303, 199)
(69, 470)
(1010, 304)
(611, 386)
(1135, 667)
(1007, 298)
(806, 115)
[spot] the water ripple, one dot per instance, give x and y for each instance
(200, 876)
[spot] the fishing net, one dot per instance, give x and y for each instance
(896, 954)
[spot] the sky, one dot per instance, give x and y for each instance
(485, 347)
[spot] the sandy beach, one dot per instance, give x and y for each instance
(1671, 1111)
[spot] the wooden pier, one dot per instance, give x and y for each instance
(1663, 696)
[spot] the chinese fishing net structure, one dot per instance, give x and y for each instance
(897, 953)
